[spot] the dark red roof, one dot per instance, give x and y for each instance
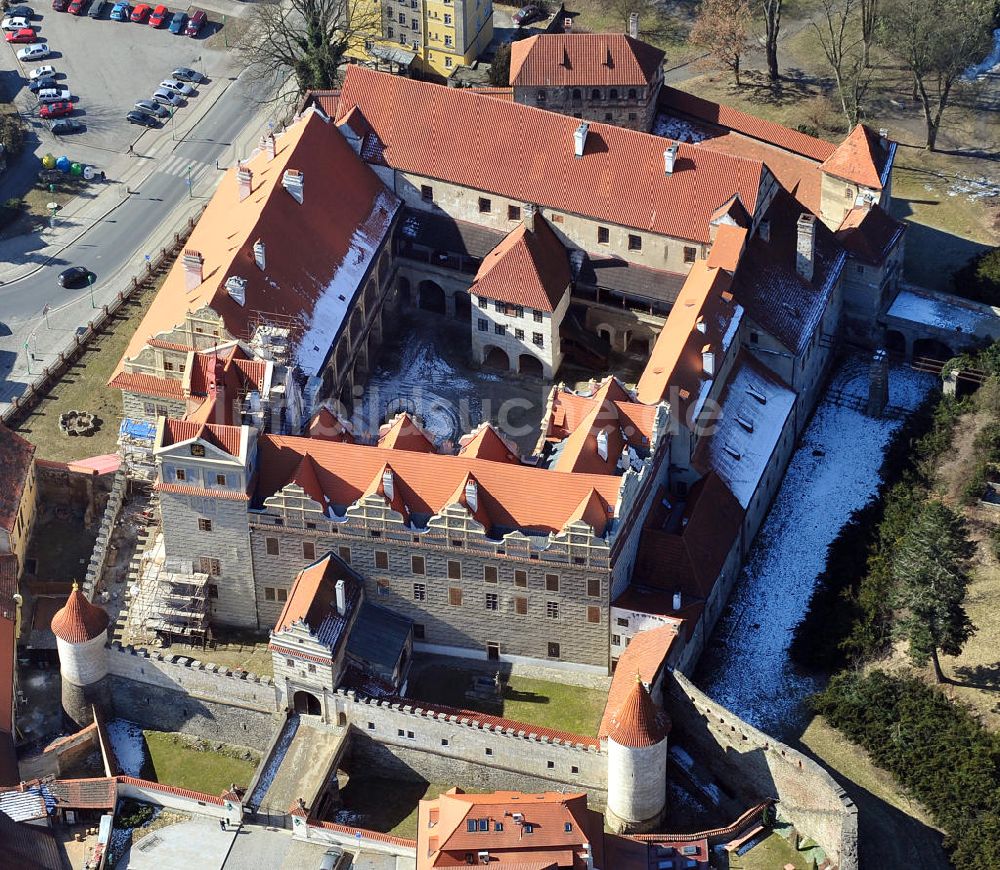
(529, 268)
(84, 794)
(78, 621)
(859, 158)
(226, 438)
(869, 234)
(16, 455)
(592, 59)
(8, 582)
(148, 385)
(638, 723)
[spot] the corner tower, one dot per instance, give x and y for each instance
(637, 763)
(81, 631)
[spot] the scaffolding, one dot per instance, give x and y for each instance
(167, 605)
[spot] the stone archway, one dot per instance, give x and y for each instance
(496, 358)
(895, 342)
(463, 306)
(638, 346)
(932, 348)
(327, 386)
(530, 365)
(403, 289)
(431, 297)
(307, 702)
(607, 332)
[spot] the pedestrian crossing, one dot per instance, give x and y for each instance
(178, 166)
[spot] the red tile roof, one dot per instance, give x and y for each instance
(9, 575)
(529, 268)
(427, 482)
(227, 438)
(592, 59)
(485, 442)
(170, 789)
(869, 234)
(468, 139)
(402, 432)
(148, 385)
(78, 621)
(727, 248)
(644, 656)
(7, 653)
(366, 834)
(327, 426)
(672, 100)
(206, 492)
(859, 158)
(292, 285)
(16, 455)
(638, 722)
(84, 794)
(313, 596)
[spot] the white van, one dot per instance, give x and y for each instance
(54, 95)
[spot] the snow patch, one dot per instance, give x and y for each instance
(937, 313)
(281, 748)
(990, 63)
(677, 129)
(834, 472)
(129, 746)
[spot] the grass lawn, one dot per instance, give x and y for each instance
(770, 854)
(84, 387)
(174, 761)
(238, 650)
(537, 702)
(389, 806)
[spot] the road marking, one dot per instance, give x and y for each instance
(177, 166)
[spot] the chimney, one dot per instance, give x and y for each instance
(602, 444)
(236, 287)
(472, 495)
(633, 25)
(708, 360)
(677, 601)
(244, 180)
(267, 145)
(193, 263)
(764, 230)
(567, 25)
(259, 255)
(217, 384)
(805, 245)
(670, 159)
(580, 139)
(701, 325)
(387, 484)
(883, 138)
(341, 588)
(530, 212)
(294, 182)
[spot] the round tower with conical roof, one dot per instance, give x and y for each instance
(637, 763)
(81, 631)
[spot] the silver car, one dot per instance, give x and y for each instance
(54, 95)
(177, 87)
(167, 98)
(151, 107)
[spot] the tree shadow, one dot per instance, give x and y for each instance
(977, 676)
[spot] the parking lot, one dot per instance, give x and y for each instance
(108, 65)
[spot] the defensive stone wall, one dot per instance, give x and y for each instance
(404, 741)
(755, 766)
(177, 693)
(61, 755)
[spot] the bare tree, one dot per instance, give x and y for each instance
(937, 40)
(308, 38)
(722, 28)
(839, 30)
(771, 10)
(869, 27)
(654, 25)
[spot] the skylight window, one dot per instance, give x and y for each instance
(757, 394)
(732, 451)
(744, 422)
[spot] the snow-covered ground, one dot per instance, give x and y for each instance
(267, 777)
(677, 129)
(938, 313)
(129, 746)
(834, 472)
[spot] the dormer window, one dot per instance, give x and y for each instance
(180, 474)
(197, 449)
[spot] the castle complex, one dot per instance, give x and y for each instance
(588, 213)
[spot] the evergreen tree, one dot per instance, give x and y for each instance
(930, 568)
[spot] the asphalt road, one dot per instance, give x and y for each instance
(113, 247)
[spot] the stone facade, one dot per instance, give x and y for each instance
(633, 107)
(637, 785)
(136, 406)
(868, 289)
(525, 335)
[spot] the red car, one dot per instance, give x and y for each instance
(77, 7)
(25, 34)
(140, 12)
(56, 110)
(59, 5)
(159, 16)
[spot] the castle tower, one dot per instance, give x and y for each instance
(81, 631)
(637, 763)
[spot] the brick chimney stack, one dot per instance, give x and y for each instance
(294, 182)
(805, 246)
(267, 145)
(633, 25)
(244, 180)
(530, 212)
(194, 264)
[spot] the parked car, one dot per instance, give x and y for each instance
(159, 15)
(121, 11)
(151, 107)
(333, 859)
(185, 90)
(196, 22)
(74, 276)
(43, 84)
(167, 98)
(14, 23)
(139, 13)
(42, 72)
(137, 117)
(65, 126)
(25, 34)
(55, 95)
(527, 14)
(177, 22)
(186, 74)
(98, 8)
(60, 5)
(21, 12)
(55, 110)
(34, 52)
(78, 7)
